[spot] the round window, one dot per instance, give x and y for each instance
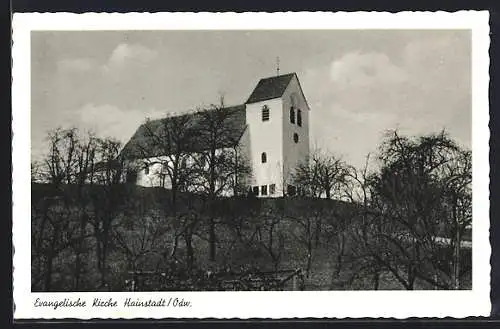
(296, 138)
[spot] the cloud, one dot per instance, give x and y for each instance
(366, 69)
(105, 120)
(110, 121)
(356, 96)
(125, 54)
(363, 85)
(74, 64)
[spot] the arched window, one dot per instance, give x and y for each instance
(146, 169)
(263, 157)
(265, 113)
(296, 137)
(292, 114)
(299, 118)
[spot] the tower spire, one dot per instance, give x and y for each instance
(277, 65)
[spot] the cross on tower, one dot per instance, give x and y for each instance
(277, 66)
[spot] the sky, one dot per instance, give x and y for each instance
(358, 83)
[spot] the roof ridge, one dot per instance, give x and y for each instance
(271, 87)
(280, 75)
(191, 112)
(137, 146)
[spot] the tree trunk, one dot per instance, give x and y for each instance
(106, 221)
(174, 189)
(99, 252)
(376, 279)
(174, 248)
(50, 262)
(309, 256)
(211, 197)
(98, 248)
(103, 261)
(50, 259)
(340, 254)
(411, 278)
(309, 264)
(48, 272)
(79, 250)
(41, 233)
(212, 239)
(189, 251)
(188, 240)
(319, 227)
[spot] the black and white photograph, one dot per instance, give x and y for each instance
(264, 159)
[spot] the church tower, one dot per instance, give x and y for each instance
(277, 117)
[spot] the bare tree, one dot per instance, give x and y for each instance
(415, 198)
(107, 174)
(307, 216)
(169, 142)
(52, 234)
(457, 186)
(142, 235)
(86, 153)
(361, 256)
(267, 230)
(321, 175)
(54, 210)
(61, 160)
(37, 174)
(219, 163)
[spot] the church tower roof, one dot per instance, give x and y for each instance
(269, 88)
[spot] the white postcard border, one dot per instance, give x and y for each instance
(244, 305)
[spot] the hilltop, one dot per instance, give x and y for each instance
(317, 236)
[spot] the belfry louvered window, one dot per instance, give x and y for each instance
(299, 118)
(263, 157)
(265, 113)
(292, 114)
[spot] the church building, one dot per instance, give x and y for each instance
(271, 130)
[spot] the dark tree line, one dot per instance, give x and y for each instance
(68, 216)
(413, 208)
(402, 217)
(87, 175)
(189, 153)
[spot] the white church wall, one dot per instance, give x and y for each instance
(157, 176)
(149, 170)
(198, 184)
(265, 136)
(294, 153)
(274, 137)
(245, 156)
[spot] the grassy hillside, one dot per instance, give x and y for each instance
(147, 233)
